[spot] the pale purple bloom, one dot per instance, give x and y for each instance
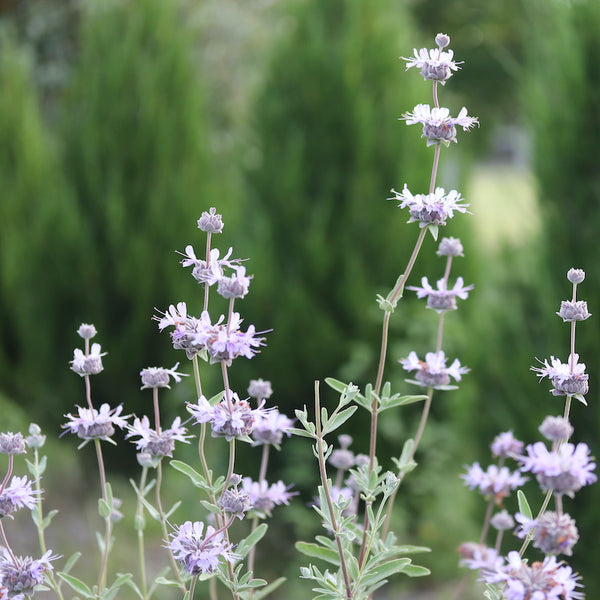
(450, 246)
(342, 458)
(35, 439)
(87, 332)
(233, 418)
(92, 424)
(430, 209)
(211, 222)
(12, 443)
(442, 299)
(197, 553)
(478, 556)
(565, 471)
(210, 273)
(264, 497)
(435, 64)
(156, 444)
(19, 494)
(159, 377)
(573, 311)
(234, 286)
(576, 276)
(568, 379)
(495, 481)
(234, 501)
(506, 445)
(270, 427)
(87, 364)
(22, 576)
(186, 328)
(433, 372)
(502, 521)
(260, 389)
(438, 125)
(556, 429)
(552, 533)
(547, 580)
(227, 341)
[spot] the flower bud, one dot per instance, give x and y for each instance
(573, 311)
(12, 443)
(502, 521)
(87, 332)
(260, 389)
(576, 275)
(450, 247)
(442, 40)
(211, 222)
(556, 428)
(555, 533)
(35, 439)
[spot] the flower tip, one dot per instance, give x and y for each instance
(576, 276)
(442, 40)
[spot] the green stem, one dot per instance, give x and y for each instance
(163, 523)
(139, 516)
(327, 494)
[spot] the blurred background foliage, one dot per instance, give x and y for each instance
(121, 121)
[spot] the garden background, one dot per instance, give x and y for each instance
(121, 121)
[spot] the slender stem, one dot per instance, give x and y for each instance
(7, 545)
(206, 286)
(192, 587)
(231, 465)
(261, 481)
(11, 462)
(423, 421)
(486, 521)
(163, 523)
(88, 391)
(542, 510)
(139, 515)
(226, 385)
(107, 520)
(434, 168)
(156, 410)
(327, 494)
(197, 376)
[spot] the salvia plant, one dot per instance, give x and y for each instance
(357, 552)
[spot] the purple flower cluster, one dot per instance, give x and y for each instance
(152, 445)
(547, 580)
(438, 125)
(91, 424)
(21, 576)
(433, 372)
(430, 209)
(200, 552)
(18, 494)
(442, 299)
(564, 471)
(222, 341)
(228, 418)
(495, 481)
(264, 497)
(88, 363)
(568, 379)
